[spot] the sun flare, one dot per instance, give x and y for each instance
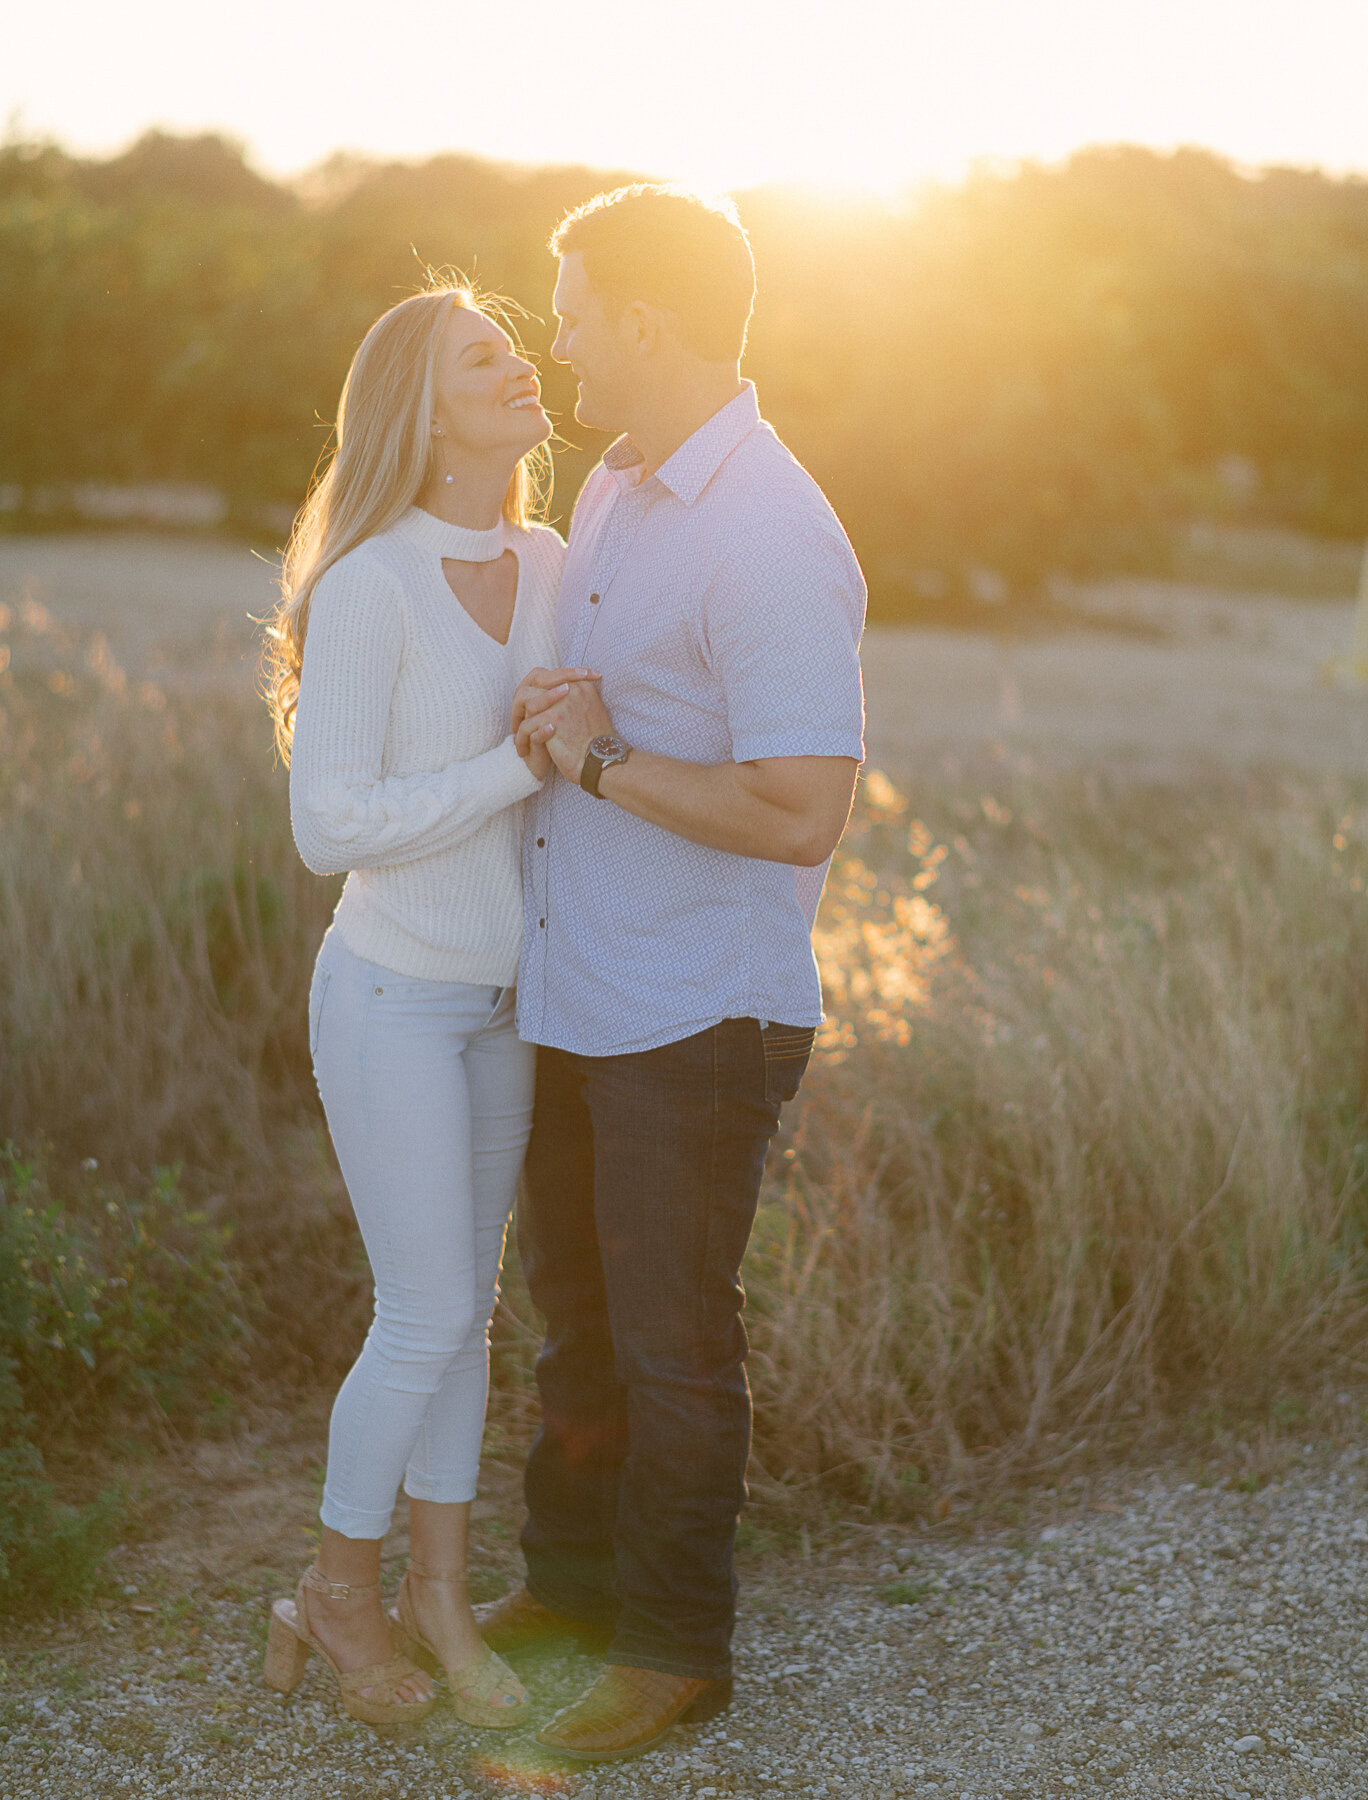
(877, 96)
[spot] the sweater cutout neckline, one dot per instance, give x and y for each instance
(457, 543)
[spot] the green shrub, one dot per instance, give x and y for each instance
(113, 1306)
(50, 1553)
(114, 1309)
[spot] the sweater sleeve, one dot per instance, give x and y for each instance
(344, 812)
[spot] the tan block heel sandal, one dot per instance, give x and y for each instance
(473, 1687)
(290, 1641)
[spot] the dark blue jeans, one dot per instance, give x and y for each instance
(641, 1184)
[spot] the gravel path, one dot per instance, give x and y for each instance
(1145, 1636)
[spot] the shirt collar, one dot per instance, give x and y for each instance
(699, 457)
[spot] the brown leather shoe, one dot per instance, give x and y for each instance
(519, 1622)
(628, 1710)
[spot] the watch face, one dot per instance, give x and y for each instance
(606, 746)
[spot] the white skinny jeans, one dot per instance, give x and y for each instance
(428, 1094)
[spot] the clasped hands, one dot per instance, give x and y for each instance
(557, 713)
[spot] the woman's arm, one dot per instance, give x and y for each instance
(344, 813)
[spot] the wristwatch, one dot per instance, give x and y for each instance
(602, 753)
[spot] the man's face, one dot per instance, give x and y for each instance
(597, 346)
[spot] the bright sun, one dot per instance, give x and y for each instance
(730, 93)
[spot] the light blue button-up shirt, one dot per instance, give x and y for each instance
(723, 605)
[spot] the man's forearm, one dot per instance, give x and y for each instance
(785, 809)
(717, 804)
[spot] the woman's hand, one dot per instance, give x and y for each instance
(565, 722)
(539, 689)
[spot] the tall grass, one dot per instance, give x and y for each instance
(1113, 1160)
(157, 923)
(159, 932)
(1084, 1139)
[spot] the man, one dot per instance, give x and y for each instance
(672, 869)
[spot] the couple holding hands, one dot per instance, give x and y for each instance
(585, 797)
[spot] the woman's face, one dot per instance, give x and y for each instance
(488, 399)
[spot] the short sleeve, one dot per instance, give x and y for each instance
(782, 624)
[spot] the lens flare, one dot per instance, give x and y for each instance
(519, 1773)
(879, 943)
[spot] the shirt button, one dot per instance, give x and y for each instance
(593, 599)
(541, 843)
(542, 923)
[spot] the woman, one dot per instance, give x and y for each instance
(416, 596)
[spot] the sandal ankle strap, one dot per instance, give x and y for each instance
(423, 1573)
(318, 1583)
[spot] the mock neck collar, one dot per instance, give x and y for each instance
(459, 542)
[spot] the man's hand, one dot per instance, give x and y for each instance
(563, 719)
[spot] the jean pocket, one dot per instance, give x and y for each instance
(787, 1050)
(317, 994)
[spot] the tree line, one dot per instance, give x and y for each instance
(1042, 369)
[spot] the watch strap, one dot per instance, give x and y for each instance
(593, 766)
(589, 774)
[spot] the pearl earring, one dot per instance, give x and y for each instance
(438, 432)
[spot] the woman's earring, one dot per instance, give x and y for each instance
(438, 432)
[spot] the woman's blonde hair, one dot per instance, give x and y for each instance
(381, 460)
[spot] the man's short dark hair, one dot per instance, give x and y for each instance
(672, 249)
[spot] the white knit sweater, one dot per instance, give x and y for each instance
(403, 769)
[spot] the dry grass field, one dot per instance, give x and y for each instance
(1084, 1146)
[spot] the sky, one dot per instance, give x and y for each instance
(722, 94)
